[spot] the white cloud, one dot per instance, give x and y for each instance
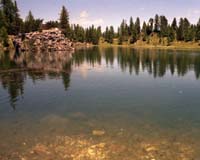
(196, 11)
(84, 14)
(193, 15)
(85, 21)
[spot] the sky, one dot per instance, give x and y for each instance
(110, 12)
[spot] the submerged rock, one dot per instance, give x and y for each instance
(98, 132)
(40, 149)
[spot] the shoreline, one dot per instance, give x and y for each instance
(171, 47)
(152, 47)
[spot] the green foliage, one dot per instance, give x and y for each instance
(64, 22)
(132, 31)
(157, 24)
(163, 26)
(174, 24)
(31, 24)
(11, 23)
(197, 34)
(109, 34)
(144, 31)
(123, 32)
(171, 34)
(137, 27)
(4, 37)
(180, 30)
(51, 24)
(78, 33)
(2, 20)
(92, 35)
(150, 26)
(11, 16)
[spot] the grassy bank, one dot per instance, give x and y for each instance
(173, 46)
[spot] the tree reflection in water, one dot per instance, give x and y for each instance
(155, 62)
(42, 66)
(36, 67)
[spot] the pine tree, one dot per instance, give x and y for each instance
(29, 22)
(51, 24)
(17, 20)
(156, 24)
(8, 11)
(174, 24)
(111, 34)
(197, 35)
(144, 31)
(137, 27)
(99, 31)
(150, 26)
(4, 37)
(79, 33)
(64, 22)
(131, 26)
(123, 32)
(132, 31)
(187, 31)
(163, 26)
(106, 34)
(180, 30)
(2, 20)
(171, 34)
(11, 15)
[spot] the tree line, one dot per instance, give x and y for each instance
(133, 31)
(12, 24)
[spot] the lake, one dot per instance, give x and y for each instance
(100, 103)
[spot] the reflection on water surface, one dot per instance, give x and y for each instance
(100, 103)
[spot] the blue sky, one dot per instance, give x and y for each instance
(110, 12)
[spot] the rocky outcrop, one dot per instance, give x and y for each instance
(47, 40)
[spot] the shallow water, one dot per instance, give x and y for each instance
(144, 103)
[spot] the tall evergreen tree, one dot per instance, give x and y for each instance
(2, 20)
(29, 22)
(64, 21)
(111, 34)
(123, 32)
(144, 31)
(197, 35)
(4, 37)
(163, 26)
(156, 24)
(137, 27)
(187, 30)
(171, 34)
(132, 31)
(131, 26)
(99, 31)
(11, 15)
(174, 24)
(150, 26)
(78, 33)
(180, 30)
(17, 20)
(8, 11)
